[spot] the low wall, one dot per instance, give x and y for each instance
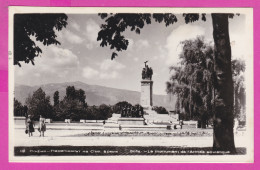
(131, 121)
(19, 120)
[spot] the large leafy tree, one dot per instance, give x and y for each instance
(192, 83)
(73, 106)
(73, 94)
(42, 26)
(39, 104)
(111, 35)
(71, 109)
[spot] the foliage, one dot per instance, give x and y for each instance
(123, 104)
(73, 94)
(115, 24)
(238, 69)
(192, 82)
(73, 106)
(160, 110)
(19, 109)
(39, 104)
(102, 112)
(120, 105)
(42, 27)
(71, 109)
(56, 98)
(111, 32)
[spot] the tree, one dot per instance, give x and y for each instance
(71, 92)
(39, 25)
(238, 69)
(193, 81)
(19, 109)
(73, 106)
(160, 110)
(104, 112)
(110, 34)
(81, 95)
(39, 104)
(118, 107)
(71, 109)
(92, 113)
(177, 85)
(223, 116)
(56, 98)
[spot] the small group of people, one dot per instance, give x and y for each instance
(132, 111)
(30, 126)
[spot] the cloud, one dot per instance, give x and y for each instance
(92, 30)
(89, 72)
(181, 33)
(107, 69)
(108, 64)
(89, 46)
(54, 63)
(162, 53)
(131, 44)
(75, 26)
(239, 45)
(136, 59)
(37, 74)
(140, 44)
(72, 38)
(111, 75)
(59, 57)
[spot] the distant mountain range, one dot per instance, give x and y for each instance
(95, 94)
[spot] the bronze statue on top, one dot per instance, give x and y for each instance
(147, 72)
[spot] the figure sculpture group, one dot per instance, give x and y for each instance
(147, 72)
(132, 111)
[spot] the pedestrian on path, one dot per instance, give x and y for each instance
(42, 126)
(30, 126)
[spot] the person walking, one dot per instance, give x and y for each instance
(42, 126)
(30, 126)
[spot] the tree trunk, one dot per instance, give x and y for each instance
(190, 103)
(203, 121)
(223, 118)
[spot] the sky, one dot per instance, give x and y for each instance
(80, 57)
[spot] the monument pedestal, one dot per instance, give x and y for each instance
(146, 94)
(130, 121)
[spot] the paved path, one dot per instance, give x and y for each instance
(77, 138)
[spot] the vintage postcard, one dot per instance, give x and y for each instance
(130, 84)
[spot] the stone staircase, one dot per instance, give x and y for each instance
(153, 117)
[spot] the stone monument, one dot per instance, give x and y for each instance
(147, 87)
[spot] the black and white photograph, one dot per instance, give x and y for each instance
(130, 84)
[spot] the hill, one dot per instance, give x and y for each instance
(95, 94)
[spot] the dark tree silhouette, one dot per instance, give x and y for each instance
(39, 25)
(19, 109)
(56, 98)
(81, 95)
(115, 24)
(39, 104)
(71, 93)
